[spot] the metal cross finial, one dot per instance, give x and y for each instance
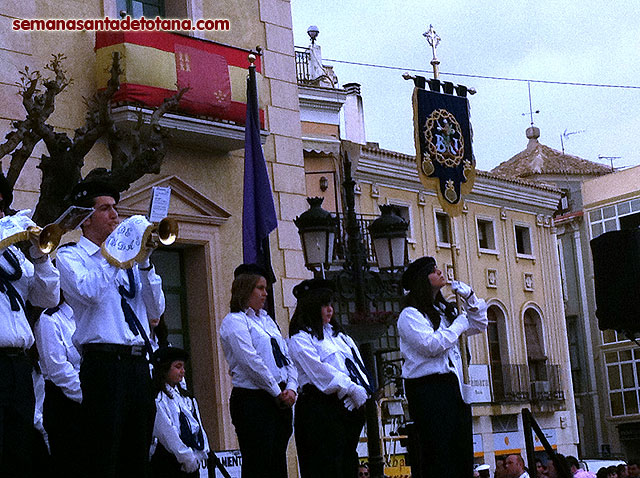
(434, 40)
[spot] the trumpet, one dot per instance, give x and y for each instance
(46, 238)
(165, 233)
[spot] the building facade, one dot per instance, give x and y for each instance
(204, 161)
(505, 248)
(611, 203)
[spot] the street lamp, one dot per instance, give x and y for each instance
(389, 236)
(362, 296)
(317, 229)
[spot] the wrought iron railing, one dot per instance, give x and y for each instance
(510, 383)
(547, 386)
(340, 245)
(302, 65)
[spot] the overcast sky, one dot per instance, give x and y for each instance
(584, 41)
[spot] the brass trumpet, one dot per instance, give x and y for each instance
(48, 238)
(165, 233)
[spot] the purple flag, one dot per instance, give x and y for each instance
(258, 212)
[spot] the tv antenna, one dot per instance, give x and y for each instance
(610, 159)
(566, 134)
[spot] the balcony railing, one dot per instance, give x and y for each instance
(510, 383)
(340, 245)
(302, 65)
(547, 386)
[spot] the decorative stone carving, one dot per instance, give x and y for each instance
(528, 282)
(492, 278)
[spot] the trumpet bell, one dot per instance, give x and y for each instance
(47, 238)
(167, 231)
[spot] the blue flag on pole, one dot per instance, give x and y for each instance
(258, 212)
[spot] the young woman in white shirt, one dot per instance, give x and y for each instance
(182, 447)
(429, 328)
(334, 386)
(264, 378)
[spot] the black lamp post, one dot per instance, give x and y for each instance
(357, 287)
(389, 236)
(317, 229)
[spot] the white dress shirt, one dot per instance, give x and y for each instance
(246, 342)
(59, 358)
(90, 285)
(39, 284)
(322, 362)
(166, 428)
(429, 351)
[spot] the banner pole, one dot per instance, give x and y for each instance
(462, 340)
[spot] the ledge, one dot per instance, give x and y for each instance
(190, 131)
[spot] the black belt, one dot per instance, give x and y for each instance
(118, 349)
(13, 351)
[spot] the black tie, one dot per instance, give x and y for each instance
(279, 357)
(7, 278)
(129, 314)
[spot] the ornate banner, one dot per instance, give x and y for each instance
(126, 245)
(443, 146)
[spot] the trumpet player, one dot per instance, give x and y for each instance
(20, 280)
(111, 307)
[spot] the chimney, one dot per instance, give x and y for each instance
(354, 114)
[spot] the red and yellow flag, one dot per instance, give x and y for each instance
(156, 64)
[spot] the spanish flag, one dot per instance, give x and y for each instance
(156, 64)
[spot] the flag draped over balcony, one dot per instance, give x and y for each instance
(258, 213)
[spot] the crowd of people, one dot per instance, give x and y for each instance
(87, 404)
(107, 385)
(513, 466)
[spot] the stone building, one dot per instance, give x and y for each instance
(505, 248)
(542, 164)
(204, 163)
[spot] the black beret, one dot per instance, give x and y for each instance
(96, 184)
(423, 266)
(169, 355)
(313, 285)
(6, 191)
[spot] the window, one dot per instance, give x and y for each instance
(495, 334)
(139, 8)
(486, 235)
(523, 240)
(404, 211)
(169, 265)
(535, 346)
(442, 229)
(623, 371)
(624, 215)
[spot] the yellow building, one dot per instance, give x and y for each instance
(204, 162)
(505, 248)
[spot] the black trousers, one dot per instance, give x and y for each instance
(61, 418)
(327, 435)
(117, 413)
(263, 431)
(17, 406)
(165, 465)
(443, 427)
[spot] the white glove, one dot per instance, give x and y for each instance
(349, 404)
(464, 290)
(192, 464)
(144, 262)
(358, 394)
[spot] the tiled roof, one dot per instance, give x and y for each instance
(539, 159)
